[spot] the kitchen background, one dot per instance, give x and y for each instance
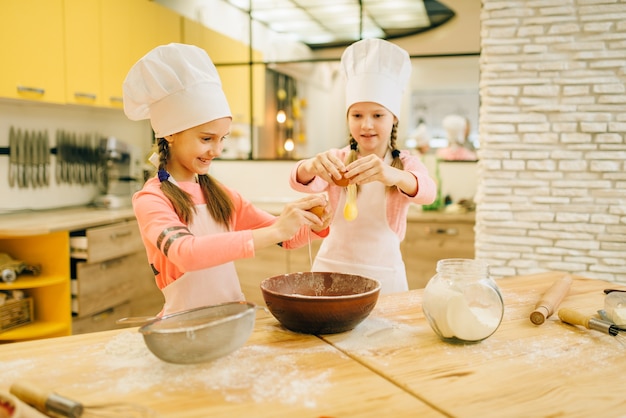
(550, 183)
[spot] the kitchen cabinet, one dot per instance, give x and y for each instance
(78, 51)
(116, 58)
(82, 52)
(97, 254)
(431, 237)
(50, 290)
(32, 44)
(239, 78)
(130, 29)
(111, 277)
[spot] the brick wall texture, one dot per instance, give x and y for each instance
(552, 171)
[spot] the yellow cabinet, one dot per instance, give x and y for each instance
(152, 25)
(116, 33)
(82, 52)
(232, 61)
(131, 28)
(50, 291)
(77, 51)
(31, 47)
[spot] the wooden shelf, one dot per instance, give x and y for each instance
(28, 282)
(50, 291)
(37, 329)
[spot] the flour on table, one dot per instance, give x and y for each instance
(253, 373)
(374, 334)
(569, 349)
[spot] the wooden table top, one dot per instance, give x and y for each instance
(522, 370)
(392, 364)
(277, 373)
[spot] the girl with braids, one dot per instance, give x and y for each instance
(387, 179)
(192, 226)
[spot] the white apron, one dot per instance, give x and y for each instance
(366, 246)
(210, 286)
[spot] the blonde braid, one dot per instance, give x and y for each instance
(397, 162)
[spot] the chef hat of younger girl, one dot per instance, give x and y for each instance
(177, 87)
(376, 71)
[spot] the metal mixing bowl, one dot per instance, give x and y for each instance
(320, 302)
(201, 334)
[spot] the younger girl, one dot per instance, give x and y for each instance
(192, 226)
(388, 179)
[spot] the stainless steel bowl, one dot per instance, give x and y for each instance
(201, 334)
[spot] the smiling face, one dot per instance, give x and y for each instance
(370, 125)
(191, 151)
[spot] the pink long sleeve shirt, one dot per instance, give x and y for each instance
(155, 214)
(397, 202)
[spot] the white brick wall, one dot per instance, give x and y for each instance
(552, 171)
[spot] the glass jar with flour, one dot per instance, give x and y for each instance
(462, 302)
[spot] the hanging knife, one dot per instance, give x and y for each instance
(12, 156)
(34, 159)
(46, 158)
(21, 160)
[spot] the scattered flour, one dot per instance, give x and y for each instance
(254, 373)
(375, 336)
(565, 350)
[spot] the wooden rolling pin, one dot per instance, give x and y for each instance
(550, 300)
(45, 401)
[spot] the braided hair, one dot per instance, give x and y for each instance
(395, 152)
(219, 205)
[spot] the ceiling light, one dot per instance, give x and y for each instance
(331, 23)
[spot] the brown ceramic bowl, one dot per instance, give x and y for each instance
(320, 302)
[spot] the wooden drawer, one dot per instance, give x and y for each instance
(101, 321)
(438, 232)
(107, 242)
(299, 260)
(99, 286)
(427, 243)
(267, 262)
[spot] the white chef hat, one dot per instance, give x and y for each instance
(177, 87)
(376, 71)
(455, 126)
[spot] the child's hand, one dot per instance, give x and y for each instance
(296, 214)
(325, 165)
(324, 214)
(371, 168)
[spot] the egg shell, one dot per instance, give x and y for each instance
(318, 211)
(342, 182)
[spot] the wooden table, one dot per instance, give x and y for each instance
(522, 370)
(276, 374)
(392, 365)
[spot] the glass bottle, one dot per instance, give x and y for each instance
(461, 302)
